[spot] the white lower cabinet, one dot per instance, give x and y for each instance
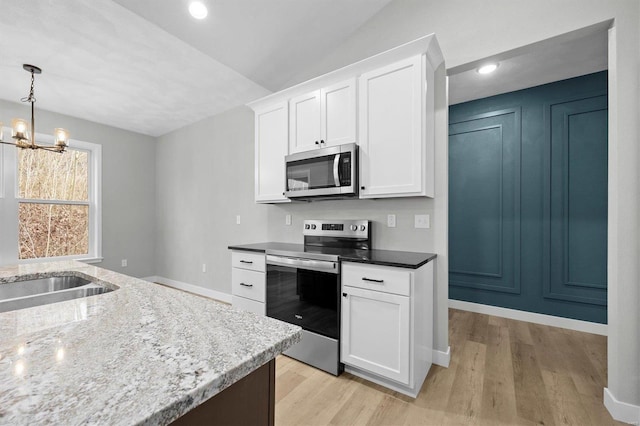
(248, 281)
(375, 332)
(387, 324)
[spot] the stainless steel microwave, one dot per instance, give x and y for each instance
(323, 173)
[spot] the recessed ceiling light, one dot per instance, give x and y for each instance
(487, 69)
(198, 10)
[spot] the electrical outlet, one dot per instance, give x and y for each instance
(422, 221)
(238, 220)
(204, 267)
(124, 263)
(287, 219)
(391, 220)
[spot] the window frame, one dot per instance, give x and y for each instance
(94, 202)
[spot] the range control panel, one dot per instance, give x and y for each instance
(337, 228)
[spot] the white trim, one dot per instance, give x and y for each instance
(442, 358)
(621, 411)
(550, 320)
(207, 292)
(94, 202)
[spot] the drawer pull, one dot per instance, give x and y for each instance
(246, 285)
(246, 261)
(372, 280)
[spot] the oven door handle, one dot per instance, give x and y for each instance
(312, 265)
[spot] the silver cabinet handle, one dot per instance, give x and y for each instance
(372, 280)
(246, 261)
(246, 285)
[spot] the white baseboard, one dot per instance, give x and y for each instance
(553, 321)
(442, 358)
(621, 411)
(214, 294)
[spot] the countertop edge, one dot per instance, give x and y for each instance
(429, 256)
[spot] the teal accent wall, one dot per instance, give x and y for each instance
(528, 199)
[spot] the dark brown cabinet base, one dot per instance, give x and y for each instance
(250, 401)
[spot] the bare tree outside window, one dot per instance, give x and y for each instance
(53, 212)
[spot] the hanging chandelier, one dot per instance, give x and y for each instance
(24, 135)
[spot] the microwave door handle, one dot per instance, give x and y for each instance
(336, 170)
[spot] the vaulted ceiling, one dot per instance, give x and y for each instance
(149, 67)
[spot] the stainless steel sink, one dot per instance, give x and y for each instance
(42, 291)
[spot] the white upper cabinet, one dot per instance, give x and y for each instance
(396, 130)
(338, 113)
(304, 123)
(384, 103)
(271, 139)
(323, 118)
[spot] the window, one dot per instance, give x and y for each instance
(56, 208)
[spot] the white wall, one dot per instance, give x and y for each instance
(469, 31)
(205, 178)
(128, 187)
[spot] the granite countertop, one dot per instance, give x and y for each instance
(142, 354)
(400, 259)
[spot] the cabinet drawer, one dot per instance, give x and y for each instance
(248, 305)
(248, 260)
(249, 284)
(377, 278)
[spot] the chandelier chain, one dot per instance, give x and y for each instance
(31, 98)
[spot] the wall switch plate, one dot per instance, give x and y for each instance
(391, 220)
(287, 219)
(204, 267)
(422, 221)
(124, 263)
(238, 220)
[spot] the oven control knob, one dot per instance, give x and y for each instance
(307, 226)
(313, 227)
(354, 227)
(362, 227)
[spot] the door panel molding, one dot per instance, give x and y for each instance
(505, 275)
(558, 282)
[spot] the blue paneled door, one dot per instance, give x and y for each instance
(576, 207)
(484, 202)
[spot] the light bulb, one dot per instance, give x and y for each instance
(61, 137)
(198, 10)
(487, 69)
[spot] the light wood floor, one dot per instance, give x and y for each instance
(502, 372)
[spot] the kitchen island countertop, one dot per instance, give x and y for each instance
(142, 354)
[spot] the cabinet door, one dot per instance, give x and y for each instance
(304, 122)
(271, 148)
(338, 113)
(391, 142)
(375, 332)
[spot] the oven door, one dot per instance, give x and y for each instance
(304, 292)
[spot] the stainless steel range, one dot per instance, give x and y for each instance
(303, 287)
